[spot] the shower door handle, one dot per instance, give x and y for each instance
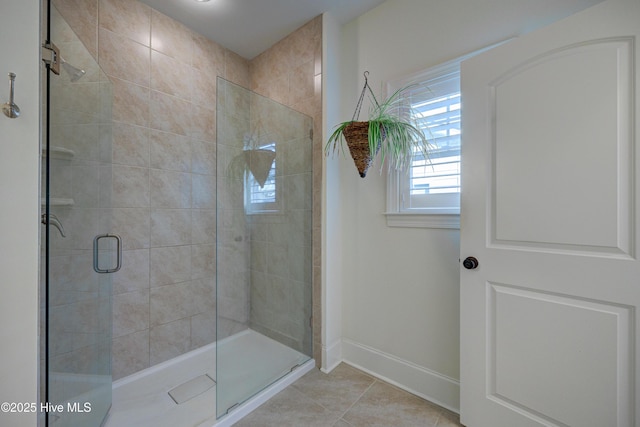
(96, 253)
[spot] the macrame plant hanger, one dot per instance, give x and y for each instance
(356, 134)
(366, 86)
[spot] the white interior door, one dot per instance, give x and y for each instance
(550, 203)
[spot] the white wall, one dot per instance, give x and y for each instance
(332, 232)
(400, 287)
(19, 201)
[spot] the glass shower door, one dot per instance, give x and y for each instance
(263, 243)
(78, 253)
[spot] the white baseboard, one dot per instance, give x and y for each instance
(331, 356)
(429, 385)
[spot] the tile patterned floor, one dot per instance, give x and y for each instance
(347, 397)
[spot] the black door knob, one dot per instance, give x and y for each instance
(470, 263)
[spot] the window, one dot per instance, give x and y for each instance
(428, 194)
(261, 199)
(434, 183)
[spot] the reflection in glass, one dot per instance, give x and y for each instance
(263, 233)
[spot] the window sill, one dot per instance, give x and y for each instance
(423, 220)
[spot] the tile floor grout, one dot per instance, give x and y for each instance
(318, 399)
(356, 401)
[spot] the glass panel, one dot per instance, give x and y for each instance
(76, 200)
(264, 157)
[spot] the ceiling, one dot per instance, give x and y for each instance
(249, 27)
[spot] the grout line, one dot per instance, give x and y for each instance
(328, 409)
(344, 421)
(358, 399)
(438, 419)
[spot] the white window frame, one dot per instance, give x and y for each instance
(442, 212)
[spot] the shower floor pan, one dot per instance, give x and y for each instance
(142, 399)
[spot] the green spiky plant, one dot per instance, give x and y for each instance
(390, 131)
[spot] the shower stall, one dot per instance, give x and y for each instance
(176, 268)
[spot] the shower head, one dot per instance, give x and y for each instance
(74, 73)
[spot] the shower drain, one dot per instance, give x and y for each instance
(191, 388)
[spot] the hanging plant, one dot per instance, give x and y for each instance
(259, 161)
(255, 158)
(390, 131)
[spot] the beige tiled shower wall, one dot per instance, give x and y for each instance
(164, 174)
(281, 273)
(290, 72)
(232, 240)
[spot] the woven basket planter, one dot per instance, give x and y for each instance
(356, 134)
(395, 134)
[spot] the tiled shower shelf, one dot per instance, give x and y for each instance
(59, 153)
(62, 154)
(56, 201)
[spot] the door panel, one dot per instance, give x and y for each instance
(540, 123)
(539, 328)
(76, 202)
(549, 331)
